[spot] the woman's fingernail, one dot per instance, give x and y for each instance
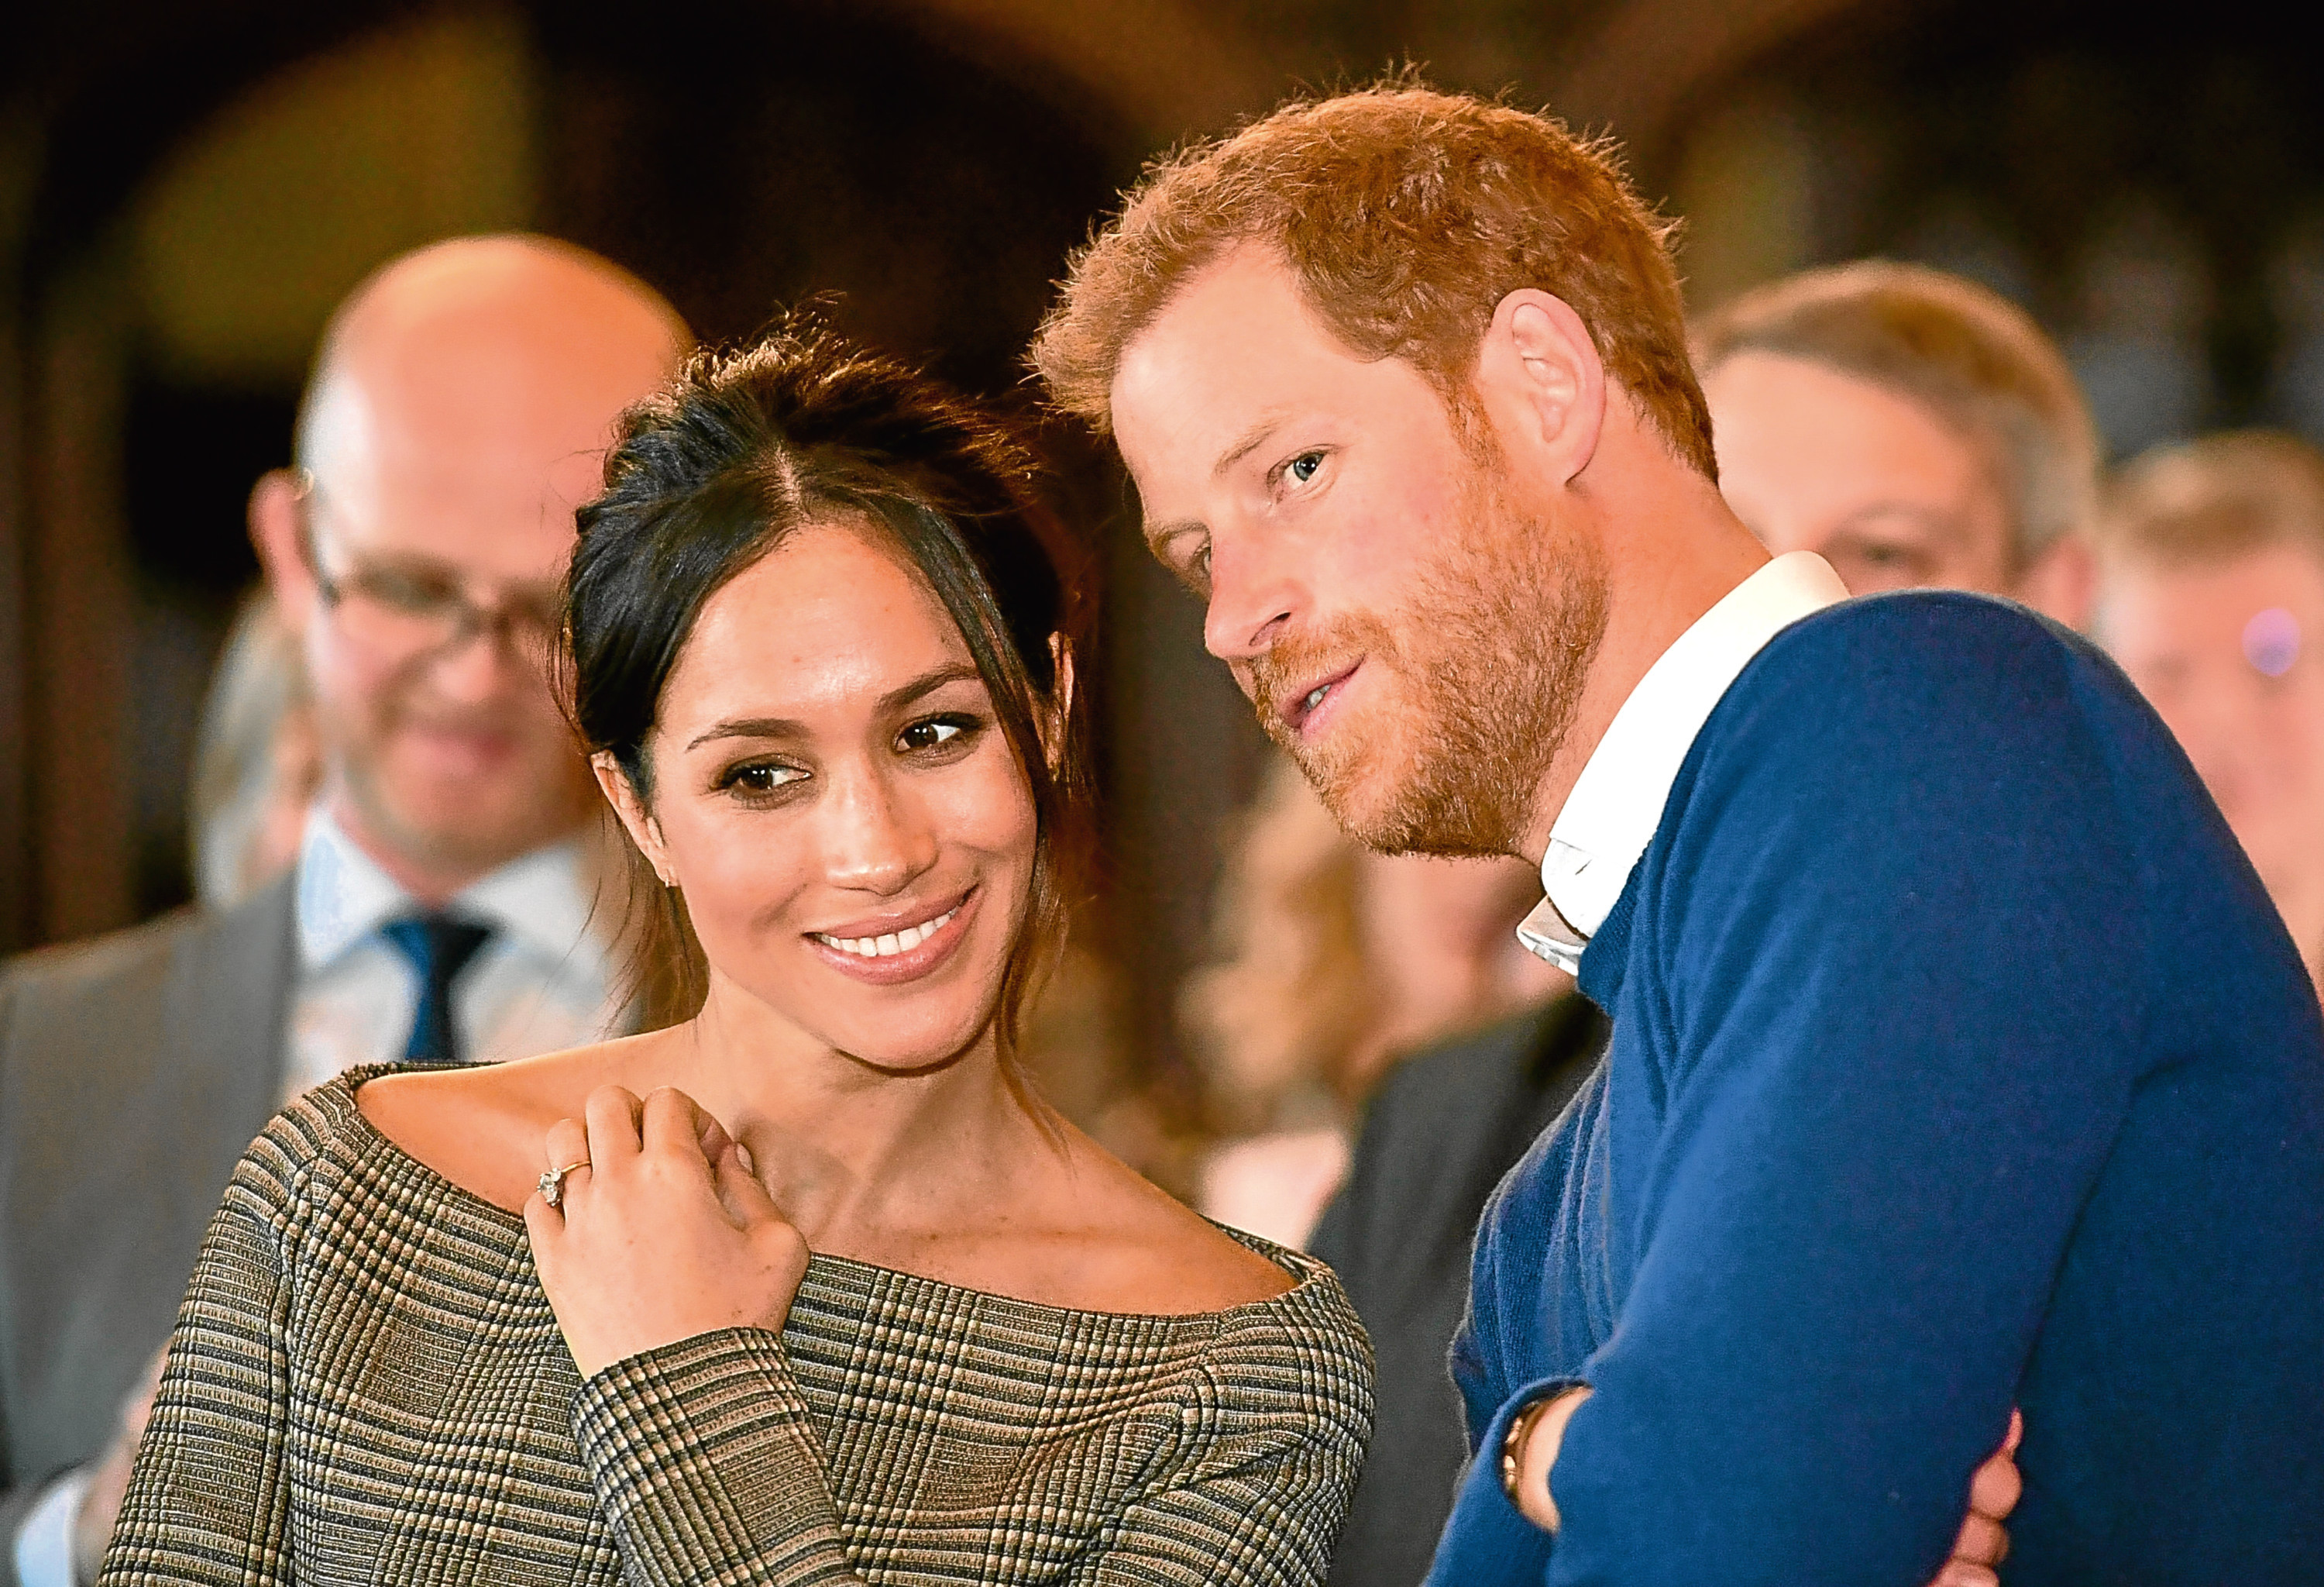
(742, 1156)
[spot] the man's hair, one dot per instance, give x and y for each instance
(1407, 216)
(1966, 355)
(2216, 499)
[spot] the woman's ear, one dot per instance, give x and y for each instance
(1060, 710)
(637, 820)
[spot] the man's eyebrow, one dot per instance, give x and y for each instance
(895, 700)
(1246, 442)
(1242, 446)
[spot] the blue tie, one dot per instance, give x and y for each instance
(439, 948)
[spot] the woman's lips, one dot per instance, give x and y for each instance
(904, 954)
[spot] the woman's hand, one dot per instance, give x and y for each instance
(1993, 1493)
(662, 1233)
(1981, 1543)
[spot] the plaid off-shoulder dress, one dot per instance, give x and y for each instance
(366, 1385)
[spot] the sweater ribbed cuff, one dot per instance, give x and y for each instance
(1488, 1539)
(707, 1467)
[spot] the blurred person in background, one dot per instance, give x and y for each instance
(2212, 597)
(1337, 961)
(1915, 430)
(1912, 428)
(257, 762)
(441, 905)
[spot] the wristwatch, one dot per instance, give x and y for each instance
(1513, 1444)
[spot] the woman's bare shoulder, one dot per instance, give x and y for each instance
(1160, 1256)
(481, 1126)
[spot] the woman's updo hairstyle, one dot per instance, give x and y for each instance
(744, 448)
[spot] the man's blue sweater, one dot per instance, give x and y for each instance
(1959, 1062)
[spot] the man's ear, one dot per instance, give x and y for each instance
(1542, 383)
(636, 819)
(2062, 582)
(1060, 710)
(278, 533)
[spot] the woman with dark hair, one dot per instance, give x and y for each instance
(838, 1299)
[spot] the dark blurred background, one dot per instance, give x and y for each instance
(186, 188)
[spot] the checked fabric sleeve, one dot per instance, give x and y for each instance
(706, 1462)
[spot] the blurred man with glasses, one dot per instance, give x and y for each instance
(445, 907)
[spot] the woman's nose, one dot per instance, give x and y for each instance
(876, 837)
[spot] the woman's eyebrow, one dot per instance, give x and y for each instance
(749, 727)
(928, 682)
(895, 700)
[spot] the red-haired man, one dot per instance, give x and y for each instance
(1955, 1061)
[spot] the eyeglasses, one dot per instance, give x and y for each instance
(413, 608)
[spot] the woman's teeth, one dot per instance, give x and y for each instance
(895, 942)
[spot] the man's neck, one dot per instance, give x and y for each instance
(1674, 551)
(432, 881)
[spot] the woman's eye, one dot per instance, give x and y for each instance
(761, 779)
(934, 732)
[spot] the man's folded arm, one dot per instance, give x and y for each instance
(1899, 1056)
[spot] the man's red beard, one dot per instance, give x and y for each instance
(1478, 675)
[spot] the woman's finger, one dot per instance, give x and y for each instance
(612, 1115)
(1994, 1492)
(544, 1225)
(714, 1138)
(1961, 1574)
(1982, 1542)
(567, 1143)
(746, 1200)
(672, 1124)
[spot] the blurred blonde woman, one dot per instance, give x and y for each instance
(257, 762)
(1333, 962)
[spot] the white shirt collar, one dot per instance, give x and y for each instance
(1618, 801)
(542, 898)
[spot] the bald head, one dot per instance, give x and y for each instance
(483, 361)
(459, 411)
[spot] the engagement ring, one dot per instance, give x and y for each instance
(552, 1184)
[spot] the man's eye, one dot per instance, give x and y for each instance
(929, 734)
(405, 592)
(543, 614)
(1303, 468)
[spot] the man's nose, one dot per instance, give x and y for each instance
(876, 837)
(1255, 593)
(477, 665)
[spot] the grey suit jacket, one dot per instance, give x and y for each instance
(134, 1071)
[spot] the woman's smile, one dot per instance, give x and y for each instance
(903, 945)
